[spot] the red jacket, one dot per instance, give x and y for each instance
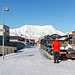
(56, 46)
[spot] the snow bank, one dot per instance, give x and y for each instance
(62, 48)
(69, 46)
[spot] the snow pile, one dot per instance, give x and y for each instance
(34, 31)
(61, 48)
(69, 46)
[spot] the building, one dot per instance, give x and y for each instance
(16, 38)
(64, 40)
(73, 39)
(6, 34)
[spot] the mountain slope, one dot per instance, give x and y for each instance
(34, 31)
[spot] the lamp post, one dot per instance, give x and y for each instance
(3, 28)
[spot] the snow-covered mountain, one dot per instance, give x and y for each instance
(34, 31)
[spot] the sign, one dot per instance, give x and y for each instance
(1, 31)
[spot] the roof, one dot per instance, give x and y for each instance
(73, 31)
(63, 38)
(14, 37)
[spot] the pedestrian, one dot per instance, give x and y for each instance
(56, 49)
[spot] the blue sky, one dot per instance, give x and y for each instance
(58, 13)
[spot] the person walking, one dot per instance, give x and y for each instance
(56, 49)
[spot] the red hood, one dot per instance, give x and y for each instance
(55, 41)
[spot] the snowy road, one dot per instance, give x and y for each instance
(31, 61)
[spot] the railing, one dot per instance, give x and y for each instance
(7, 49)
(64, 45)
(63, 54)
(47, 51)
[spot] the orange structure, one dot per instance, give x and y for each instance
(73, 39)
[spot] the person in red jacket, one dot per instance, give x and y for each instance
(56, 45)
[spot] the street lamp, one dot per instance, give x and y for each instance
(6, 9)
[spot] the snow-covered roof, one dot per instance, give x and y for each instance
(63, 38)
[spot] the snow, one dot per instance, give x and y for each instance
(70, 33)
(61, 48)
(63, 38)
(32, 61)
(68, 46)
(35, 31)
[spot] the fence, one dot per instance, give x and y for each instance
(7, 49)
(47, 51)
